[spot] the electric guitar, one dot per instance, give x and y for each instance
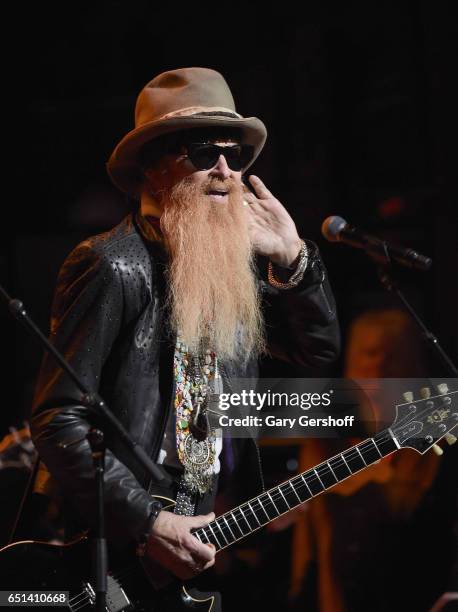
(37, 566)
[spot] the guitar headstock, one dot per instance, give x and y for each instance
(421, 423)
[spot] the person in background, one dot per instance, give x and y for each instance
(361, 545)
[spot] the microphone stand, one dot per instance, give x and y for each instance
(95, 438)
(385, 270)
(100, 558)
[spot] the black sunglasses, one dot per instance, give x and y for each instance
(204, 156)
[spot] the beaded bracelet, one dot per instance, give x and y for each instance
(297, 275)
(141, 545)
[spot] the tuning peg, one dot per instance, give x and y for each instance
(425, 392)
(437, 449)
(408, 396)
(442, 388)
(451, 439)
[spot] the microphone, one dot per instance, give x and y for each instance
(336, 229)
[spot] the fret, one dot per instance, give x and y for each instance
(376, 447)
(387, 441)
(340, 467)
(284, 498)
(227, 524)
(196, 534)
(262, 506)
(214, 534)
(288, 494)
(346, 464)
(370, 451)
(360, 455)
(291, 485)
(254, 514)
(308, 488)
(206, 536)
(313, 482)
(244, 529)
(209, 536)
(253, 523)
(225, 529)
(273, 503)
(302, 492)
(394, 440)
(354, 461)
(236, 522)
(222, 532)
(280, 501)
(333, 473)
(318, 476)
(326, 475)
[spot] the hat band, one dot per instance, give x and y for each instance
(197, 110)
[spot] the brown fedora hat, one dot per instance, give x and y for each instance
(179, 100)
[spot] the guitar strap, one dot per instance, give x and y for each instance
(186, 502)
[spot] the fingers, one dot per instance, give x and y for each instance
(258, 210)
(206, 559)
(261, 190)
(176, 548)
(199, 552)
(195, 568)
(201, 520)
(209, 564)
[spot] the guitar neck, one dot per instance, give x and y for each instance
(259, 511)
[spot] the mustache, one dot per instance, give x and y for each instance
(215, 184)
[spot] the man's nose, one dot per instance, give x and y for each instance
(221, 168)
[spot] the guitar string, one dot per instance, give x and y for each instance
(83, 596)
(351, 454)
(84, 604)
(88, 602)
(422, 413)
(277, 496)
(276, 493)
(348, 455)
(86, 599)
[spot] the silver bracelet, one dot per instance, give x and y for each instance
(297, 275)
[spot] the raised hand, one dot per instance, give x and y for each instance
(273, 232)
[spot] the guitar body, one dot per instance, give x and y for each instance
(38, 566)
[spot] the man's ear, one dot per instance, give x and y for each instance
(155, 175)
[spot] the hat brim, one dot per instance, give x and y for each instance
(123, 168)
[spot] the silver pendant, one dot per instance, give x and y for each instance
(198, 459)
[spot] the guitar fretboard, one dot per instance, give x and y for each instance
(254, 514)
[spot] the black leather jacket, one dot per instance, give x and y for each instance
(108, 319)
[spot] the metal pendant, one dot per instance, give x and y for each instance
(198, 459)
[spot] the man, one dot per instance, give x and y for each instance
(157, 312)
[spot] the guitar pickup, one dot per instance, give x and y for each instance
(116, 599)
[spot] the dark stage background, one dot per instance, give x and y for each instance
(359, 100)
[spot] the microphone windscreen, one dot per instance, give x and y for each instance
(331, 228)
